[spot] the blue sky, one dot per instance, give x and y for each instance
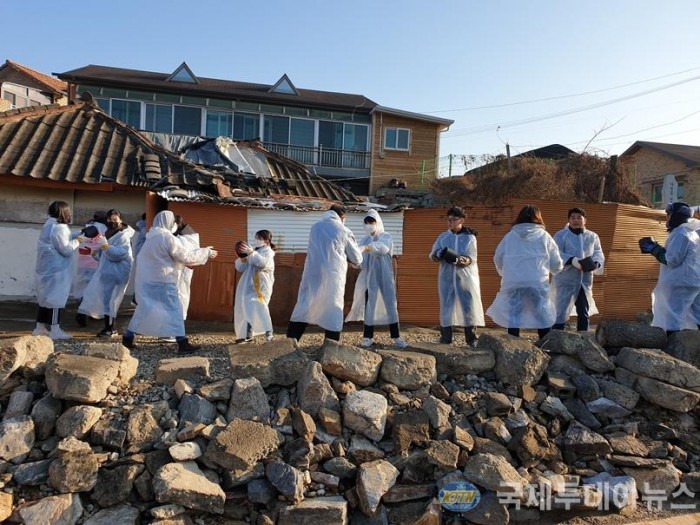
(444, 58)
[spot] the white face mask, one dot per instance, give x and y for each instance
(370, 229)
(257, 243)
(174, 228)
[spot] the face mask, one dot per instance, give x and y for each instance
(257, 243)
(174, 228)
(370, 228)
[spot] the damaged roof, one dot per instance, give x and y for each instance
(81, 144)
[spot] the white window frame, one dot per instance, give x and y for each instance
(396, 147)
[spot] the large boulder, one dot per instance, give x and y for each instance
(350, 363)
(455, 361)
(80, 378)
(248, 401)
(684, 345)
(77, 421)
(314, 390)
(408, 370)
(374, 479)
(329, 511)
(494, 473)
(115, 351)
(38, 349)
(74, 472)
(591, 354)
(16, 438)
(660, 366)
(667, 396)
(64, 509)
(186, 485)
(288, 480)
(192, 368)
(277, 362)
(582, 440)
(365, 412)
(518, 362)
(118, 515)
(142, 428)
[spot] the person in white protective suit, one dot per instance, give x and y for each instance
(524, 259)
(320, 299)
(159, 310)
(104, 295)
(694, 223)
(374, 300)
(190, 241)
(583, 258)
(251, 313)
(54, 269)
(458, 278)
(86, 265)
(678, 286)
(139, 239)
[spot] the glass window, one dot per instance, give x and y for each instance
(246, 126)
(10, 96)
(680, 194)
(276, 130)
(159, 118)
(656, 193)
(103, 103)
(302, 132)
(219, 123)
(127, 111)
(397, 138)
(355, 138)
(330, 134)
(187, 120)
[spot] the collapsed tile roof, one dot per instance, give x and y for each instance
(81, 144)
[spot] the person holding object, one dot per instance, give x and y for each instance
(374, 300)
(320, 298)
(54, 269)
(458, 278)
(524, 259)
(678, 285)
(257, 264)
(160, 261)
(87, 264)
(104, 295)
(583, 258)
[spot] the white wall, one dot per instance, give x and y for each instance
(17, 260)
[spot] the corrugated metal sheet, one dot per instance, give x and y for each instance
(291, 229)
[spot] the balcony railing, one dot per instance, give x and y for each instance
(337, 158)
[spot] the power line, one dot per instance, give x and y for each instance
(495, 126)
(559, 97)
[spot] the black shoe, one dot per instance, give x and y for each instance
(81, 319)
(129, 343)
(108, 332)
(445, 335)
(185, 347)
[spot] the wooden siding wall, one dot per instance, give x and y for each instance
(404, 165)
(622, 292)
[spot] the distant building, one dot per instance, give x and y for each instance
(342, 137)
(650, 162)
(21, 87)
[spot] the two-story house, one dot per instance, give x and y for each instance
(342, 137)
(21, 87)
(650, 162)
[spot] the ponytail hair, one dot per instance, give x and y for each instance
(265, 235)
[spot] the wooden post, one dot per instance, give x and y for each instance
(510, 162)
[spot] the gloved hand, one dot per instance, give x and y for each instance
(80, 239)
(366, 248)
(104, 245)
(647, 244)
(575, 263)
(588, 264)
(440, 253)
(212, 252)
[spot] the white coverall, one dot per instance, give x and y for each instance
(159, 263)
(106, 289)
(189, 241)
(377, 279)
(459, 287)
(524, 259)
(320, 299)
(567, 283)
(54, 264)
(679, 281)
(253, 293)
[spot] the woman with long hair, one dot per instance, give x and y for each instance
(251, 311)
(524, 259)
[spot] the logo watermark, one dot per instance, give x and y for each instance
(459, 496)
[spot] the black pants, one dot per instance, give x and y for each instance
(446, 334)
(582, 317)
(49, 316)
(541, 332)
(296, 329)
(368, 331)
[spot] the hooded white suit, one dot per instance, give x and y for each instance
(253, 292)
(524, 259)
(320, 299)
(54, 264)
(159, 265)
(377, 279)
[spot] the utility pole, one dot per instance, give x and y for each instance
(450, 172)
(510, 162)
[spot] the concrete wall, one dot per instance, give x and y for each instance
(17, 260)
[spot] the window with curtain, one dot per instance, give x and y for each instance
(355, 137)
(128, 111)
(330, 134)
(159, 118)
(219, 123)
(246, 126)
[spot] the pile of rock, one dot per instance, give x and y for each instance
(348, 434)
